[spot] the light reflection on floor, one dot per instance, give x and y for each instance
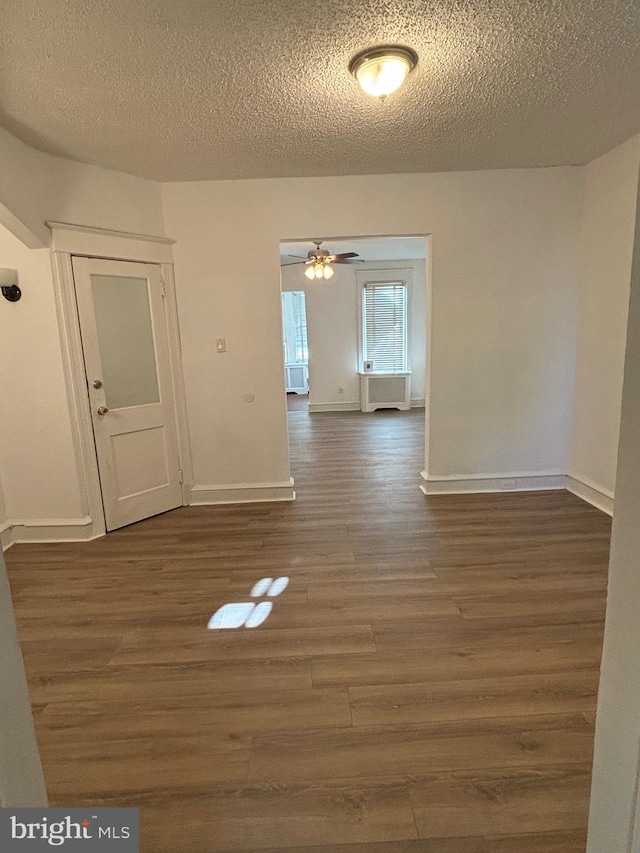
(248, 614)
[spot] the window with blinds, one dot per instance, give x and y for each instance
(384, 326)
(300, 320)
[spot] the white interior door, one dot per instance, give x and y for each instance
(126, 354)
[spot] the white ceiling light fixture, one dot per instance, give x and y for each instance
(382, 70)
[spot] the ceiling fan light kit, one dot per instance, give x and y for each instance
(319, 262)
(319, 270)
(381, 70)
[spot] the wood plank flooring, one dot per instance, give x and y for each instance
(426, 683)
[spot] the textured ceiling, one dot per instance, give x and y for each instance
(192, 89)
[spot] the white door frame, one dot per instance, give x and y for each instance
(66, 241)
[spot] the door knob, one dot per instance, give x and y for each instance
(102, 410)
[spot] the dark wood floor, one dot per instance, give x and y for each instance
(298, 402)
(426, 684)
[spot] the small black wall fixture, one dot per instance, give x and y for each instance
(12, 292)
(9, 284)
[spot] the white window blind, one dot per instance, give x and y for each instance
(300, 318)
(384, 326)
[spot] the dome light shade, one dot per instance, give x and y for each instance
(310, 272)
(382, 70)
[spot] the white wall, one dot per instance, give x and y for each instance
(504, 304)
(332, 334)
(332, 329)
(606, 248)
(504, 289)
(4, 537)
(37, 188)
(21, 780)
(37, 462)
(615, 769)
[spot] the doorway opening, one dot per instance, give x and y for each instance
(354, 340)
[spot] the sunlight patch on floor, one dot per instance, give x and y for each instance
(248, 614)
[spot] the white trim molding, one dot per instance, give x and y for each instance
(177, 378)
(518, 481)
(101, 243)
(76, 384)
(235, 493)
(49, 530)
(6, 539)
(334, 407)
(417, 403)
(514, 481)
(590, 492)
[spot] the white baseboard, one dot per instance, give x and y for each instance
(519, 481)
(81, 529)
(6, 539)
(352, 407)
(235, 493)
(48, 530)
(335, 407)
(590, 492)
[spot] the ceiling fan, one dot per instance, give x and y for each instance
(319, 261)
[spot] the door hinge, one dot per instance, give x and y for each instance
(164, 293)
(181, 478)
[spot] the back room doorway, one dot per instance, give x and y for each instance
(355, 339)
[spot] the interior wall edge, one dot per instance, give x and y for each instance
(21, 779)
(6, 539)
(614, 787)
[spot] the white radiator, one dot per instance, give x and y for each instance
(385, 391)
(297, 378)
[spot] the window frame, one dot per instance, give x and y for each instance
(295, 327)
(388, 276)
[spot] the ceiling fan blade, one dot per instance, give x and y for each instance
(293, 264)
(344, 255)
(348, 261)
(302, 257)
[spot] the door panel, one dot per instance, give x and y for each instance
(126, 353)
(141, 460)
